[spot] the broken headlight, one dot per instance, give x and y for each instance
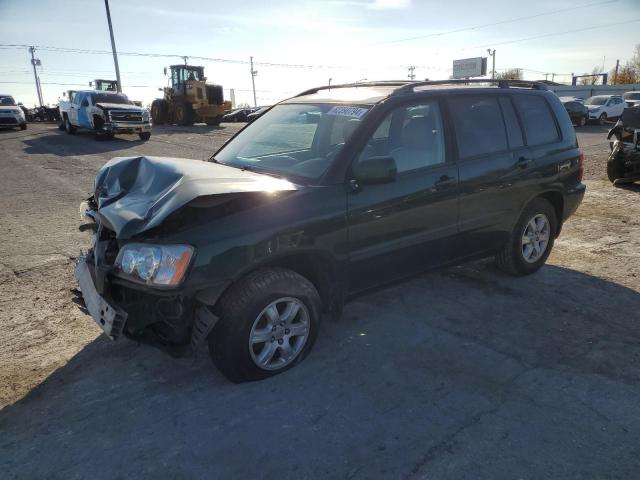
(162, 265)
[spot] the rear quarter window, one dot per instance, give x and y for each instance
(538, 120)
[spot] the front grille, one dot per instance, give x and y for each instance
(121, 116)
(8, 121)
(214, 95)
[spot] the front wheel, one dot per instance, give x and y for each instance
(531, 240)
(268, 323)
(23, 126)
(144, 136)
(602, 118)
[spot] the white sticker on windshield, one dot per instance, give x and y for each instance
(347, 111)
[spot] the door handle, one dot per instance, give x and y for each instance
(523, 162)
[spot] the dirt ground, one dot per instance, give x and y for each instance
(464, 373)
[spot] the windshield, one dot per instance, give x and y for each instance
(296, 140)
(110, 98)
(7, 100)
(632, 96)
(596, 101)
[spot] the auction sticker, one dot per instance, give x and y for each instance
(347, 111)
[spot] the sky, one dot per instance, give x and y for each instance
(312, 41)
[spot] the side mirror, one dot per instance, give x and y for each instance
(375, 170)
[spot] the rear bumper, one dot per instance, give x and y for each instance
(572, 200)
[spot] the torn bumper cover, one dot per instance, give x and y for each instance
(623, 165)
(109, 318)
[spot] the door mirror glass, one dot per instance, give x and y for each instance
(375, 170)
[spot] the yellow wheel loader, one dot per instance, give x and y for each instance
(189, 99)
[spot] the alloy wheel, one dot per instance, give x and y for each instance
(279, 333)
(535, 238)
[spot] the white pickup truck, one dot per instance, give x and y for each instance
(105, 113)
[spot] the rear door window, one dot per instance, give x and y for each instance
(479, 125)
(539, 124)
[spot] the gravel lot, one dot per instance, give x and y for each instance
(464, 373)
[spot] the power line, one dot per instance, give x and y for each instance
(501, 22)
(167, 55)
(552, 34)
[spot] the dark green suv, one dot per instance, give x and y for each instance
(332, 192)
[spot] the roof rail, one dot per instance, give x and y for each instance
(405, 86)
(386, 83)
(500, 83)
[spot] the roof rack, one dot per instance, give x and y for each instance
(406, 86)
(500, 83)
(385, 83)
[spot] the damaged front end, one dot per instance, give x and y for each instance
(623, 165)
(133, 279)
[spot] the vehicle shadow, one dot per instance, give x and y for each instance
(82, 143)
(402, 382)
(632, 187)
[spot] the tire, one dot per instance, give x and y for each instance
(582, 122)
(183, 114)
(23, 126)
(215, 121)
(243, 311)
(512, 258)
(159, 112)
(602, 118)
(144, 136)
(615, 166)
(70, 129)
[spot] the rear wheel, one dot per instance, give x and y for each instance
(531, 240)
(144, 136)
(183, 114)
(70, 129)
(268, 323)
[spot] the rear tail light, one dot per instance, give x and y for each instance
(580, 166)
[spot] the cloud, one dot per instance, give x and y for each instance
(390, 4)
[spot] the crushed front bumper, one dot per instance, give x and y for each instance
(109, 318)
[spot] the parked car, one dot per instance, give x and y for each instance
(257, 113)
(632, 99)
(578, 112)
(604, 107)
(237, 115)
(331, 193)
(105, 113)
(11, 115)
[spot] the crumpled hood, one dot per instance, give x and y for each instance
(135, 194)
(119, 106)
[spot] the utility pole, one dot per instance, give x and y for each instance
(253, 82)
(330, 81)
(113, 46)
(615, 77)
(35, 62)
(553, 77)
(412, 72)
(493, 63)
